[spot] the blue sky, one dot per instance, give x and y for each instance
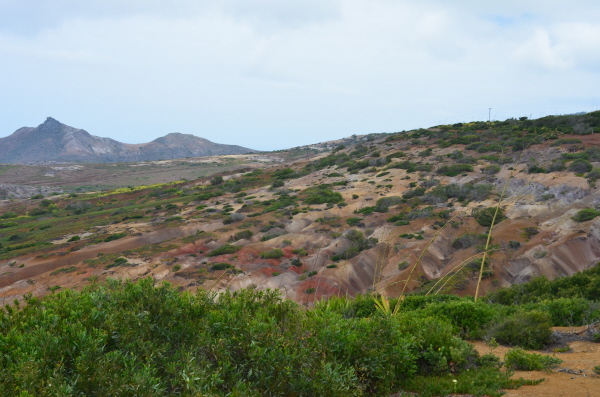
(272, 74)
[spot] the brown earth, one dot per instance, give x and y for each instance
(574, 377)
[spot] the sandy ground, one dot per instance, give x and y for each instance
(573, 378)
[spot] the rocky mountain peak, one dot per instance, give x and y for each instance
(50, 126)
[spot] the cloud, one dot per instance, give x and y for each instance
(272, 74)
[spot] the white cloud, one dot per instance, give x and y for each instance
(271, 74)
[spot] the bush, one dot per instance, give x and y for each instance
(520, 360)
(530, 330)
(9, 215)
(484, 216)
(322, 196)
(114, 237)
(491, 169)
(454, 169)
(46, 203)
(353, 221)
(38, 211)
(272, 254)
(224, 250)
(243, 235)
(217, 180)
(221, 266)
(468, 240)
(580, 166)
(74, 238)
(468, 316)
(586, 214)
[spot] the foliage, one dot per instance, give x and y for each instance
(224, 250)
(221, 266)
(584, 284)
(586, 214)
(468, 240)
(146, 340)
(321, 195)
(242, 235)
(530, 329)
(580, 166)
(484, 216)
(454, 169)
(520, 360)
(272, 254)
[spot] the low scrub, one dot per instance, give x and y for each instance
(272, 254)
(520, 360)
(530, 330)
(224, 250)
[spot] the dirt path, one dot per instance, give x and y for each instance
(579, 379)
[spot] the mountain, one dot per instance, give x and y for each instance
(57, 142)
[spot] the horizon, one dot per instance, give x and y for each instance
(271, 75)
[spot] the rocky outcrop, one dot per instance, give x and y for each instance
(8, 191)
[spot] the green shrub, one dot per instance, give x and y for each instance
(520, 360)
(272, 254)
(114, 237)
(217, 180)
(74, 238)
(9, 215)
(468, 240)
(322, 196)
(224, 250)
(242, 235)
(530, 330)
(491, 169)
(586, 214)
(353, 221)
(469, 317)
(484, 216)
(221, 266)
(454, 169)
(38, 211)
(580, 166)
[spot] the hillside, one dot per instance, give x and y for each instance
(381, 236)
(351, 219)
(55, 142)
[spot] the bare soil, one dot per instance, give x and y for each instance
(573, 378)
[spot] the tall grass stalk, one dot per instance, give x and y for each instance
(461, 265)
(423, 253)
(489, 236)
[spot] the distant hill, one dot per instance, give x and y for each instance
(53, 141)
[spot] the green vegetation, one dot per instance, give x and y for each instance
(520, 360)
(224, 250)
(454, 169)
(248, 343)
(586, 214)
(272, 254)
(221, 266)
(484, 216)
(322, 195)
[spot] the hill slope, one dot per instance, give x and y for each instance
(57, 142)
(353, 218)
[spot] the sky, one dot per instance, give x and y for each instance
(273, 74)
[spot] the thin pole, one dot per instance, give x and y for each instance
(489, 114)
